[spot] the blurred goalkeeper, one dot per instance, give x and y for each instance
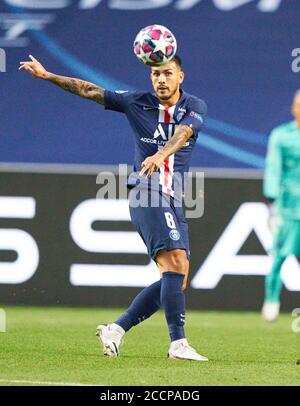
(282, 188)
(165, 126)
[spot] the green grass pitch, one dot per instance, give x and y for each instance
(58, 345)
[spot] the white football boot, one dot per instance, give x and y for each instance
(181, 350)
(270, 311)
(111, 336)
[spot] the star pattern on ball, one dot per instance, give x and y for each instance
(145, 56)
(160, 45)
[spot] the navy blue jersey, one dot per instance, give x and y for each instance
(153, 125)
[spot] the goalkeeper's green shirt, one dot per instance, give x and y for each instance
(282, 174)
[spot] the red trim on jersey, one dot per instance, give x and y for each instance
(167, 116)
(167, 120)
(166, 161)
(167, 170)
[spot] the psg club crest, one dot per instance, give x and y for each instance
(174, 235)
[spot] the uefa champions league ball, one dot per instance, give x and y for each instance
(155, 45)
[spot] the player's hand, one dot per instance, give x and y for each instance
(152, 164)
(34, 67)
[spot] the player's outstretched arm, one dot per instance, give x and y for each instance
(76, 86)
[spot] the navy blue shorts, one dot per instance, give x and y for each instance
(161, 228)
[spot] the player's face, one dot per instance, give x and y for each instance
(296, 108)
(166, 80)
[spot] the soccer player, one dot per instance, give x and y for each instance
(165, 125)
(282, 188)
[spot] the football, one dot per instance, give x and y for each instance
(155, 45)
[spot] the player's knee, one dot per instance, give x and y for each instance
(178, 262)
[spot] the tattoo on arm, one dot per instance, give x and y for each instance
(177, 141)
(79, 87)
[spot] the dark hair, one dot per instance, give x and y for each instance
(177, 60)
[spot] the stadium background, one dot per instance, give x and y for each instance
(237, 56)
